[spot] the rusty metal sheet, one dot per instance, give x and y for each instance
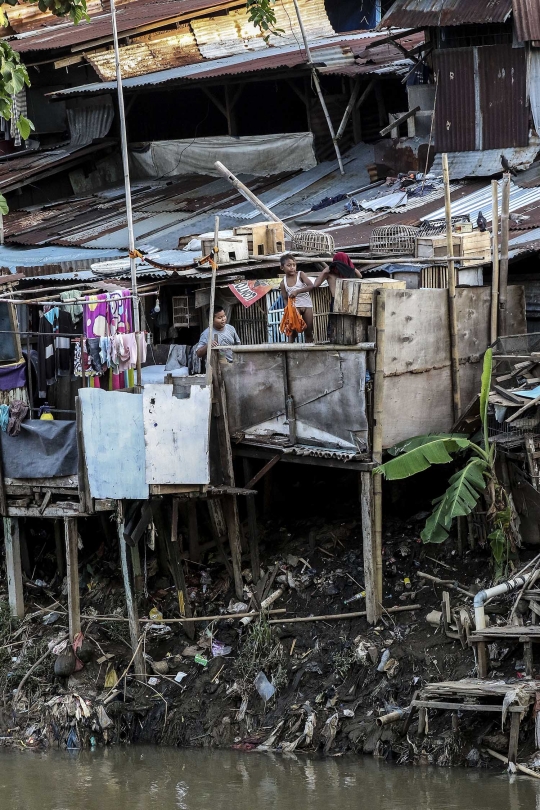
(455, 112)
(148, 54)
(434, 13)
(527, 20)
(503, 96)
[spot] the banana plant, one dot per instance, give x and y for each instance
(477, 478)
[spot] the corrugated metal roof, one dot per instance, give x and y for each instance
(530, 178)
(487, 163)
(272, 58)
(16, 258)
(433, 13)
(28, 17)
(481, 201)
(527, 20)
(148, 54)
(130, 16)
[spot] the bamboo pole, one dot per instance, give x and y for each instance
(452, 313)
(249, 195)
(495, 256)
(212, 303)
(317, 84)
(503, 266)
(131, 606)
(339, 616)
(377, 442)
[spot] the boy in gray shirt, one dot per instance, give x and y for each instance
(223, 335)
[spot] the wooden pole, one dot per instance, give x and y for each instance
(72, 559)
(370, 574)
(133, 617)
(212, 303)
(452, 312)
(193, 532)
(503, 268)
(177, 569)
(317, 84)
(13, 567)
(249, 195)
(495, 257)
(252, 525)
(377, 441)
(60, 555)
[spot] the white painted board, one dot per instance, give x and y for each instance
(113, 435)
(176, 435)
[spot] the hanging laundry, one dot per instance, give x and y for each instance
(12, 376)
(53, 348)
(17, 412)
(75, 309)
(107, 314)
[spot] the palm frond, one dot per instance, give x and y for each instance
(462, 495)
(418, 441)
(435, 451)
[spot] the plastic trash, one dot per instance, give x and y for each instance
(264, 687)
(200, 659)
(384, 660)
(179, 677)
(219, 648)
(72, 740)
(51, 618)
(156, 615)
(153, 681)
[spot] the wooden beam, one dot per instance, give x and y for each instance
(262, 472)
(72, 559)
(230, 511)
(397, 121)
(298, 92)
(252, 527)
(373, 608)
(177, 570)
(133, 618)
(215, 101)
(13, 568)
(514, 737)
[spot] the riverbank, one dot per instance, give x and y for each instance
(326, 681)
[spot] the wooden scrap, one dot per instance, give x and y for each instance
(525, 408)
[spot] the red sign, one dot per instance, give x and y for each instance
(248, 292)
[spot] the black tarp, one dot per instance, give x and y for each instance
(43, 449)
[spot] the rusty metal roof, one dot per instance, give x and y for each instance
(130, 17)
(527, 20)
(433, 13)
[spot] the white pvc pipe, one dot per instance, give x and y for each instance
(505, 587)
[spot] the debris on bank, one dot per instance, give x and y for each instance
(268, 681)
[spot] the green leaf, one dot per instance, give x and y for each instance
(462, 495)
(485, 389)
(25, 127)
(436, 450)
(418, 441)
(4, 207)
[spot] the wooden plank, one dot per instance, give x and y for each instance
(13, 568)
(482, 659)
(514, 737)
(177, 570)
(63, 481)
(85, 499)
(262, 472)
(373, 608)
(176, 489)
(230, 511)
(465, 707)
(56, 510)
(72, 572)
(252, 523)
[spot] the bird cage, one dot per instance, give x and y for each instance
(313, 242)
(396, 240)
(184, 313)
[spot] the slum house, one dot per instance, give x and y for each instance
(354, 444)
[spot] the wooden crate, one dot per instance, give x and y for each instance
(474, 244)
(427, 247)
(354, 296)
(184, 312)
(231, 248)
(264, 238)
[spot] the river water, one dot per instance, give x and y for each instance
(172, 779)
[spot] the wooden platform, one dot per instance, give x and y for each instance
(511, 632)
(476, 695)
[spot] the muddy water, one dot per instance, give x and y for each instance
(148, 778)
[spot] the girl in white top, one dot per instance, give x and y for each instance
(296, 285)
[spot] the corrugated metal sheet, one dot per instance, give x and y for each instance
(28, 17)
(488, 163)
(481, 201)
(287, 56)
(455, 110)
(129, 17)
(434, 13)
(219, 36)
(529, 178)
(148, 54)
(527, 20)
(503, 96)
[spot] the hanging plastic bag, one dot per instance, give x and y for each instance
(292, 321)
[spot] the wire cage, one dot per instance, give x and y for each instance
(184, 312)
(509, 354)
(313, 242)
(399, 240)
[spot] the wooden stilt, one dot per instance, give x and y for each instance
(193, 532)
(252, 526)
(72, 559)
(137, 570)
(422, 718)
(482, 659)
(13, 567)
(177, 570)
(219, 530)
(378, 408)
(514, 736)
(230, 511)
(60, 552)
(132, 613)
(373, 608)
(528, 655)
